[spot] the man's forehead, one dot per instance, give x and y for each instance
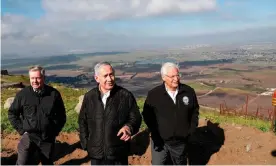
(172, 70)
(106, 69)
(34, 73)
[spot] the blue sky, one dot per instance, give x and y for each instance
(59, 26)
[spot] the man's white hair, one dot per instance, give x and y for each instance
(37, 68)
(99, 65)
(165, 67)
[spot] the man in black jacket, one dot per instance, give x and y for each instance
(109, 116)
(171, 114)
(38, 115)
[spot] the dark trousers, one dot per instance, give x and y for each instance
(123, 161)
(31, 153)
(169, 154)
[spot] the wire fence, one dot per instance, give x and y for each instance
(268, 114)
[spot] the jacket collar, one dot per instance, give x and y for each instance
(42, 91)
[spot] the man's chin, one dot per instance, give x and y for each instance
(109, 87)
(35, 86)
(175, 85)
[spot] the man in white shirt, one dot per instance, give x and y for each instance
(171, 114)
(109, 116)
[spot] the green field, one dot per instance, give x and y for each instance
(199, 86)
(15, 78)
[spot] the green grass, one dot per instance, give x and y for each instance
(234, 90)
(6, 93)
(253, 88)
(225, 72)
(140, 103)
(198, 86)
(70, 98)
(15, 78)
(5, 123)
(215, 117)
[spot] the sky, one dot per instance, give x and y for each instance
(53, 27)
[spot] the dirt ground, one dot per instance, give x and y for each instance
(211, 144)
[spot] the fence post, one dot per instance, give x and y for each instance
(257, 113)
(246, 106)
(273, 124)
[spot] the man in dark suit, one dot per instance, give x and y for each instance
(38, 114)
(109, 116)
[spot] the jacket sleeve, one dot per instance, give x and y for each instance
(195, 114)
(14, 115)
(134, 118)
(83, 127)
(149, 116)
(60, 114)
(151, 121)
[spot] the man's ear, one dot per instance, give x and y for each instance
(96, 78)
(163, 78)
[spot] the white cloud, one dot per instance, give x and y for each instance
(117, 9)
(27, 37)
(64, 27)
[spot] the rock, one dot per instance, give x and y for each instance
(78, 106)
(13, 85)
(239, 128)
(8, 103)
(248, 147)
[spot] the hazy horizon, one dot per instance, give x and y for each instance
(51, 27)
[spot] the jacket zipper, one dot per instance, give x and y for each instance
(104, 148)
(39, 114)
(175, 116)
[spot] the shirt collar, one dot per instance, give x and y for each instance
(38, 90)
(104, 94)
(170, 90)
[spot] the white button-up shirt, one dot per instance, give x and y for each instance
(104, 97)
(172, 94)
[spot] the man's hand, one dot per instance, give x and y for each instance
(125, 132)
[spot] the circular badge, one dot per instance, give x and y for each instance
(185, 100)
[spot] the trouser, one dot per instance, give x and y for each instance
(169, 154)
(123, 161)
(30, 152)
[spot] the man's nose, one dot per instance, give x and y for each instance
(108, 78)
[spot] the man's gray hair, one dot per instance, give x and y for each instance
(166, 66)
(99, 65)
(37, 68)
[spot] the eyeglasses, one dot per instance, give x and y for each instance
(177, 76)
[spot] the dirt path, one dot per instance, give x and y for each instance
(211, 91)
(212, 144)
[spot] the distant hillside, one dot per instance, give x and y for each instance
(61, 60)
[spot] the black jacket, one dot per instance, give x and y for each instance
(99, 126)
(168, 121)
(41, 115)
